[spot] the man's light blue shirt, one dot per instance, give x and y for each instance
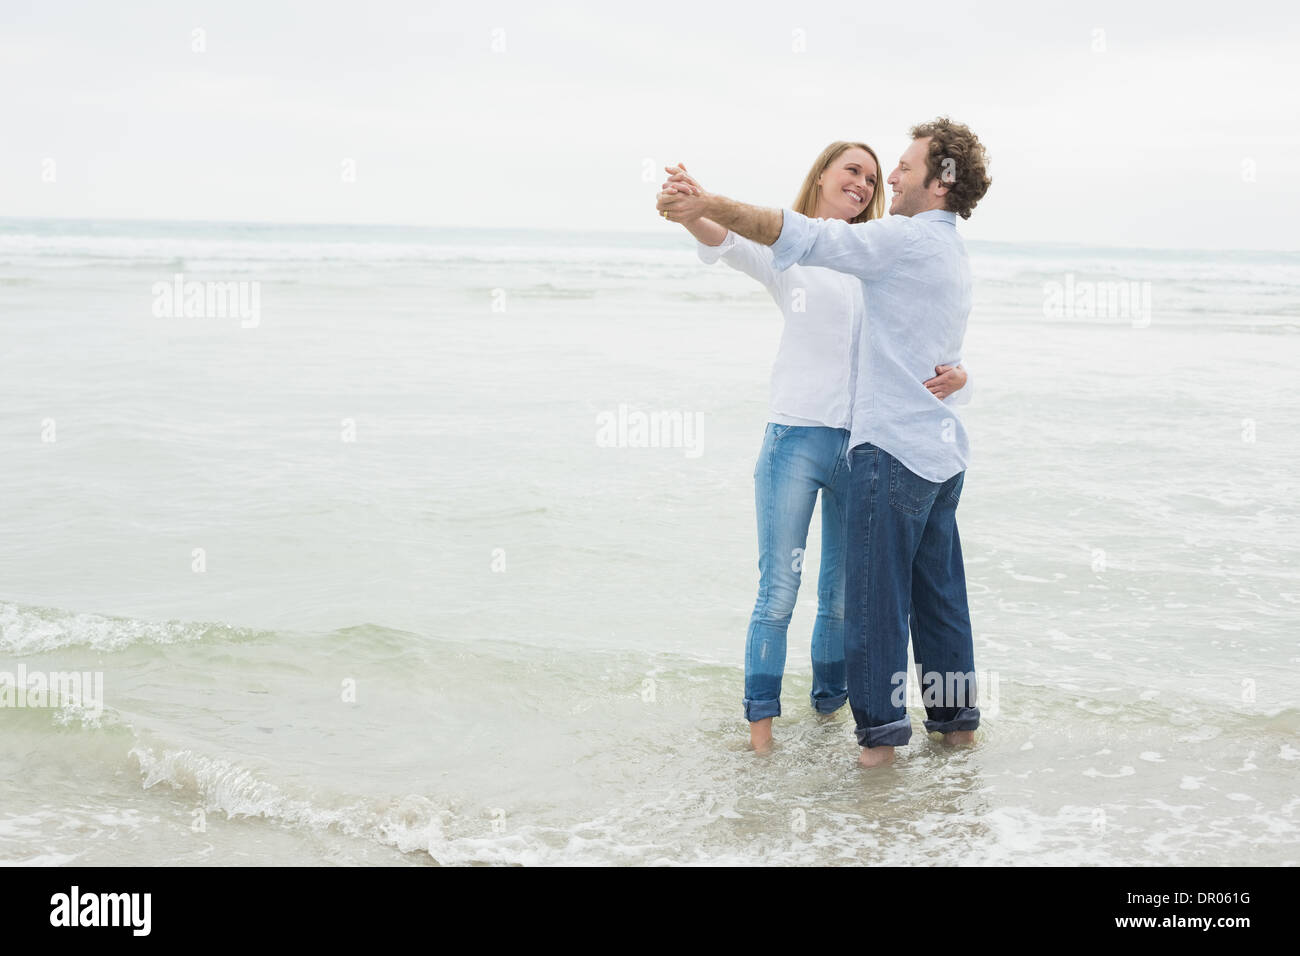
(917, 286)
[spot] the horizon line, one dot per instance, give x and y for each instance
(575, 231)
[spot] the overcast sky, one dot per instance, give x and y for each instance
(1170, 124)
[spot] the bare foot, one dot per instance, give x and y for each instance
(760, 735)
(875, 756)
(960, 738)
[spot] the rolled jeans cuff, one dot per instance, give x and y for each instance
(968, 718)
(895, 734)
(761, 709)
(828, 705)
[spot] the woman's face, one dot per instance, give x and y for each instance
(847, 184)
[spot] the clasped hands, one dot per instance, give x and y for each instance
(681, 198)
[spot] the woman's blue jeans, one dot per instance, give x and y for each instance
(795, 464)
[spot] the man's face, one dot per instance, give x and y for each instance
(907, 179)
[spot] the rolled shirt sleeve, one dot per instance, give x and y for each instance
(791, 243)
(711, 254)
(752, 258)
(868, 250)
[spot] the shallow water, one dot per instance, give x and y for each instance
(472, 634)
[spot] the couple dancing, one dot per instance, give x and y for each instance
(862, 396)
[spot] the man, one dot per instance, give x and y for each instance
(908, 450)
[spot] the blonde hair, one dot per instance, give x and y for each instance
(805, 202)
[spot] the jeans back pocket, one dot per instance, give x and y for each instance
(909, 492)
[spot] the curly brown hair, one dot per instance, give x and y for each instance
(957, 157)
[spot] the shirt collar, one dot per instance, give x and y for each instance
(942, 215)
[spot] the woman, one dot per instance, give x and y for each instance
(807, 433)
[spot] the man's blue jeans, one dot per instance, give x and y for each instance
(795, 463)
(904, 560)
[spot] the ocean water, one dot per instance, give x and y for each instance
(365, 582)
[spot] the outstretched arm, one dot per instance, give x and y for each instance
(753, 222)
(868, 250)
(716, 241)
(706, 231)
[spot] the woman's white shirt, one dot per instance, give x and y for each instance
(815, 370)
